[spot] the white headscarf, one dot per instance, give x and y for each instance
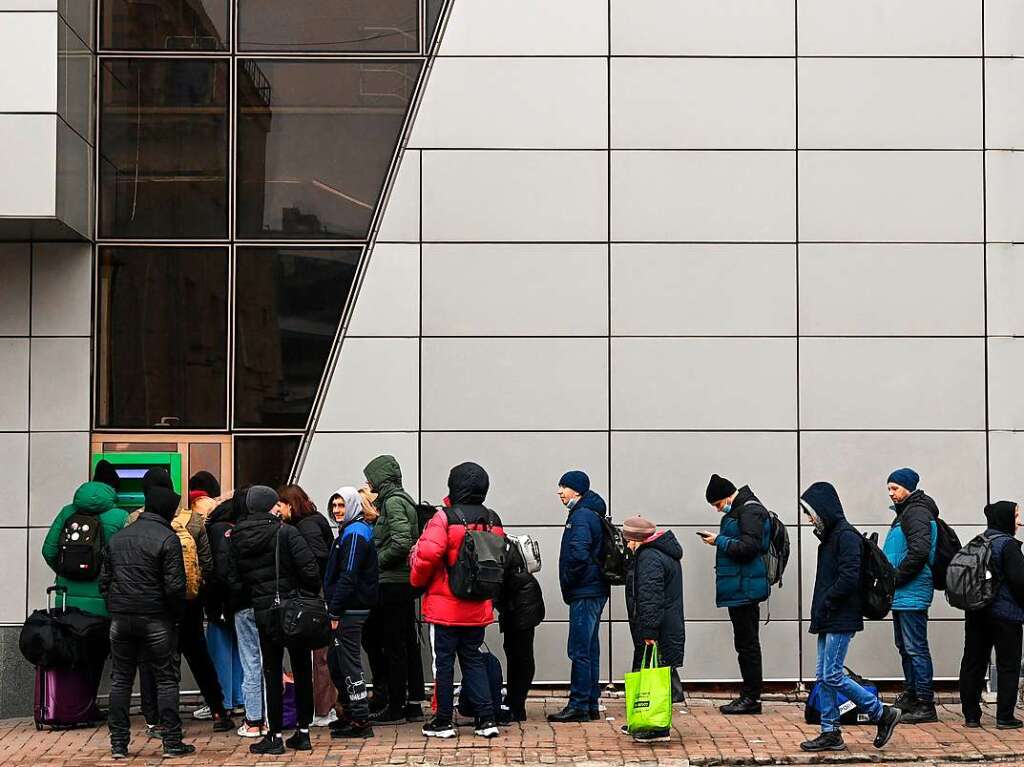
(353, 504)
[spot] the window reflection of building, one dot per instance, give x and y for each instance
(168, 25)
(368, 26)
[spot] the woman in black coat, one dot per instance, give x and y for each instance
(520, 610)
(269, 559)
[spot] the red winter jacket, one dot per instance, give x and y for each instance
(436, 551)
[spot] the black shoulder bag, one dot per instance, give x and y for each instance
(303, 619)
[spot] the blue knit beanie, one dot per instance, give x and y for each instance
(907, 478)
(575, 480)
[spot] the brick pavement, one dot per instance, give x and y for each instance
(701, 736)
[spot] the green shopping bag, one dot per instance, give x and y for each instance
(649, 694)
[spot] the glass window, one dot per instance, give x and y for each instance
(288, 302)
(329, 25)
(74, 81)
(164, 25)
(264, 460)
(315, 140)
(162, 338)
(163, 148)
(433, 18)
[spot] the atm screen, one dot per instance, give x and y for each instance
(125, 473)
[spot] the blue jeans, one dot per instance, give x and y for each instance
(464, 642)
(223, 647)
(911, 630)
(584, 650)
(252, 664)
(831, 673)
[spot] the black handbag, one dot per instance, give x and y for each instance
(64, 637)
(302, 620)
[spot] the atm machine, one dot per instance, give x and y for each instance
(131, 467)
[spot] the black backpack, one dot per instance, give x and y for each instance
(971, 581)
(615, 560)
(424, 513)
(777, 555)
(946, 547)
(479, 568)
(878, 580)
(81, 547)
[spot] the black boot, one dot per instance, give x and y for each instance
(827, 741)
(270, 744)
(299, 741)
(353, 729)
(887, 725)
(920, 713)
(568, 714)
(176, 748)
(741, 706)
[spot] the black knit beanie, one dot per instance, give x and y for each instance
(719, 488)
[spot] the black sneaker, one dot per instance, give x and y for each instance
(353, 730)
(595, 715)
(223, 723)
(1010, 724)
(741, 706)
(972, 724)
(299, 741)
(154, 731)
(486, 728)
(921, 713)
(413, 712)
(119, 752)
(388, 716)
(270, 744)
(624, 729)
(827, 741)
(569, 714)
(339, 724)
(887, 724)
(177, 748)
(652, 736)
(439, 728)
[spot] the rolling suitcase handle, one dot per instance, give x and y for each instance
(51, 601)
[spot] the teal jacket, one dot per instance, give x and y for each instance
(741, 577)
(910, 549)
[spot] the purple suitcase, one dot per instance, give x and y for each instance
(65, 697)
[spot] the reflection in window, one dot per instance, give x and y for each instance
(163, 148)
(377, 26)
(315, 140)
(288, 302)
(162, 338)
(434, 8)
(264, 460)
(164, 25)
(75, 66)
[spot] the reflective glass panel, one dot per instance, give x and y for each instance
(164, 25)
(163, 148)
(376, 26)
(434, 8)
(264, 460)
(162, 317)
(315, 140)
(288, 302)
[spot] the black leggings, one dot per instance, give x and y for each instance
(273, 672)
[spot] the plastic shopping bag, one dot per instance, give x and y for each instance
(649, 694)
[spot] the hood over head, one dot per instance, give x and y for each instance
(162, 501)
(205, 481)
(94, 497)
(823, 500)
(383, 470)
(468, 483)
(107, 474)
(156, 477)
(666, 542)
(1001, 516)
(232, 510)
(593, 501)
(353, 504)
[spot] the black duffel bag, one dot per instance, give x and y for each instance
(64, 637)
(300, 620)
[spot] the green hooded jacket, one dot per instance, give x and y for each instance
(93, 498)
(397, 529)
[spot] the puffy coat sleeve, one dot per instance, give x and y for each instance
(400, 536)
(849, 551)
(580, 542)
(650, 595)
(106, 573)
(916, 523)
(306, 571)
(51, 544)
(173, 570)
(430, 550)
(749, 545)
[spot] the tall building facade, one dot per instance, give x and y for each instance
(652, 239)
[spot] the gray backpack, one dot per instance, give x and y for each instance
(971, 581)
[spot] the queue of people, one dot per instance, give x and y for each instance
(235, 559)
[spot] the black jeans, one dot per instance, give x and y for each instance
(464, 642)
(520, 671)
(191, 644)
(389, 638)
(148, 640)
(273, 682)
(982, 632)
(344, 659)
(745, 625)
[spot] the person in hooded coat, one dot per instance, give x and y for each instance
(350, 588)
(107, 474)
(836, 615)
(456, 624)
(998, 625)
(143, 581)
(520, 610)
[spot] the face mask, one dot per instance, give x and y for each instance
(571, 503)
(727, 508)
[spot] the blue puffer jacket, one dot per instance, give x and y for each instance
(910, 549)
(579, 569)
(740, 574)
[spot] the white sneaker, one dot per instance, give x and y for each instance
(246, 731)
(202, 713)
(325, 720)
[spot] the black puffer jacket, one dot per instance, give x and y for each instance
(914, 516)
(319, 537)
(836, 603)
(521, 602)
(253, 542)
(220, 598)
(654, 597)
(142, 572)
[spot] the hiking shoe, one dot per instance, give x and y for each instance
(203, 713)
(827, 741)
(388, 716)
(569, 714)
(271, 744)
(905, 701)
(326, 720)
(251, 730)
(223, 723)
(353, 730)
(177, 748)
(741, 706)
(921, 713)
(652, 736)
(1010, 724)
(439, 728)
(119, 752)
(887, 724)
(299, 741)
(486, 728)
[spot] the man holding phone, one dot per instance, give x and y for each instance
(741, 579)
